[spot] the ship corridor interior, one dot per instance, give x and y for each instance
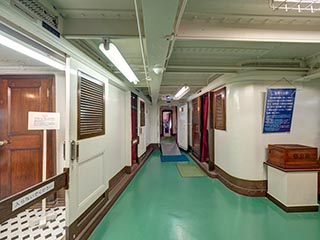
(159, 119)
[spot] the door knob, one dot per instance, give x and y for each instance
(4, 142)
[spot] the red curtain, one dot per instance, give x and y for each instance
(204, 127)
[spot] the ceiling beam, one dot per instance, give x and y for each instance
(159, 19)
(204, 30)
(82, 28)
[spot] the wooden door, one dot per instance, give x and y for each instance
(196, 127)
(134, 129)
(21, 157)
(211, 133)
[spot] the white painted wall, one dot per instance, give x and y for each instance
(116, 131)
(154, 123)
(60, 108)
(183, 126)
(242, 149)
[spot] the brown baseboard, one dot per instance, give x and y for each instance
(203, 167)
(116, 178)
(292, 209)
(252, 188)
(84, 225)
(242, 186)
(154, 146)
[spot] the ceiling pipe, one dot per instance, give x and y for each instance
(142, 46)
(175, 30)
(308, 77)
(140, 39)
(213, 68)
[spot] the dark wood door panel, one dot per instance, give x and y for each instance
(23, 162)
(21, 158)
(24, 142)
(20, 102)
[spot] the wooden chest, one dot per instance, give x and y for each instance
(293, 156)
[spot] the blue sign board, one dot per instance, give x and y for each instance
(279, 110)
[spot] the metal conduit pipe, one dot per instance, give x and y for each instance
(212, 68)
(141, 45)
(140, 38)
(175, 30)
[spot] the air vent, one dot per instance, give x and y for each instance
(272, 64)
(38, 11)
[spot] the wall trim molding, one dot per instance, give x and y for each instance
(252, 188)
(116, 178)
(84, 225)
(292, 209)
(205, 168)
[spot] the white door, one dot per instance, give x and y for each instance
(142, 148)
(88, 178)
(183, 126)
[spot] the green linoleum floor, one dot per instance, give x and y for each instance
(161, 205)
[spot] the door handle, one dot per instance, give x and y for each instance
(4, 142)
(74, 150)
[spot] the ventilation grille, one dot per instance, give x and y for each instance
(91, 107)
(37, 11)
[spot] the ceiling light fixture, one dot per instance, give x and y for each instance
(157, 69)
(114, 55)
(26, 50)
(296, 5)
(183, 91)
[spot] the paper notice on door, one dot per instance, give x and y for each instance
(43, 120)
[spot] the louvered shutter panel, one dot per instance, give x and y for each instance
(91, 107)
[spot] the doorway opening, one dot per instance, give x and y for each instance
(21, 156)
(167, 123)
(134, 129)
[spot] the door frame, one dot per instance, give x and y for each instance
(51, 135)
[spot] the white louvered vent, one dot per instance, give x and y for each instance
(36, 10)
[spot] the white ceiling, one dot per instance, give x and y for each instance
(10, 58)
(214, 37)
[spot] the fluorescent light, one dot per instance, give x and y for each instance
(14, 45)
(183, 91)
(117, 59)
(295, 5)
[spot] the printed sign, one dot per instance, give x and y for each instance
(43, 120)
(279, 110)
(31, 196)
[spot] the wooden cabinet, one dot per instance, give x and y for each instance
(293, 156)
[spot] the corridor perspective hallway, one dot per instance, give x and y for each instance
(161, 205)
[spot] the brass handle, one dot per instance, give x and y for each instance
(4, 142)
